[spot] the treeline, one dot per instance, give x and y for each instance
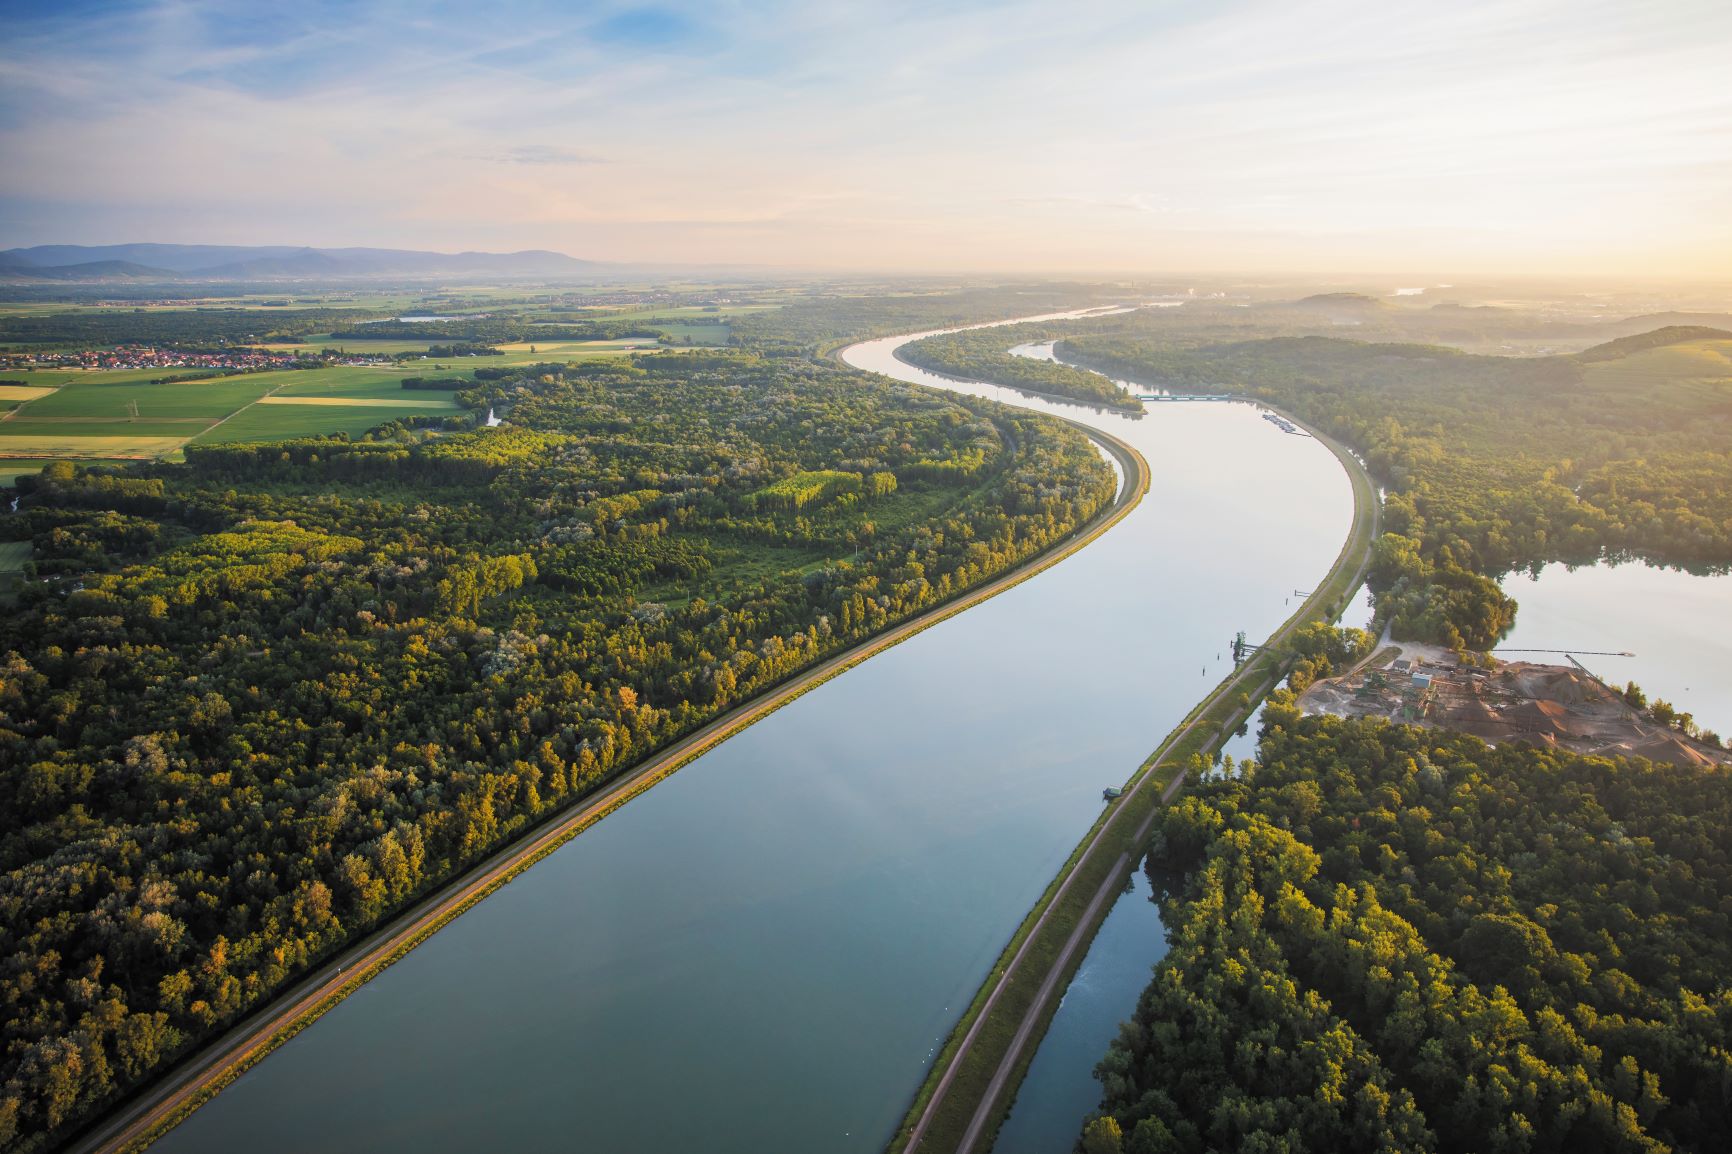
(253, 704)
(1490, 463)
(823, 319)
(181, 328)
(1393, 938)
(980, 355)
(493, 330)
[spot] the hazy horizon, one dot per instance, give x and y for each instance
(1530, 138)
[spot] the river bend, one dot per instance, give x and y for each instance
(764, 951)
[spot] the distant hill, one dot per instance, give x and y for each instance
(1649, 322)
(1640, 342)
(1359, 301)
(1341, 308)
(236, 262)
(88, 270)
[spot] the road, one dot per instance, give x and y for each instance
(159, 1106)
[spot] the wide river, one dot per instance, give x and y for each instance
(763, 952)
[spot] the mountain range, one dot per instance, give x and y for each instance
(215, 262)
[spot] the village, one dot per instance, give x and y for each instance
(138, 356)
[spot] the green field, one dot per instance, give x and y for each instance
(90, 416)
(12, 468)
(27, 424)
(52, 377)
(212, 399)
(428, 401)
(357, 386)
(280, 422)
(13, 555)
(84, 448)
(698, 334)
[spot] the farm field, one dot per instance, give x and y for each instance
(17, 394)
(283, 421)
(90, 417)
(13, 554)
(137, 447)
(427, 402)
(212, 399)
(55, 377)
(699, 334)
(12, 468)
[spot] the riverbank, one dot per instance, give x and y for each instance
(205, 1073)
(970, 1087)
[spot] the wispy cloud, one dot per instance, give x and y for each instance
(1014, 133)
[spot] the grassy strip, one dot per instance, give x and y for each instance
(482, 880)
(1052, 922)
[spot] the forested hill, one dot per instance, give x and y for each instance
(1658, 338)
(253, 704)
(1491, 463)
(1393, 938)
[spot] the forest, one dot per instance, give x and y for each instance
(252, 704)
(1491, 463)
(1392, 938)
(496, 329)
(979, 355)
(182, 328)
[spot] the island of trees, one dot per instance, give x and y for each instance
(252, 704)
(979, 355)
(1392, 938)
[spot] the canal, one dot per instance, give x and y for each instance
(765, 950)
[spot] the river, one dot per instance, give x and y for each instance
(764, 951)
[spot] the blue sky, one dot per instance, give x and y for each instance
(1320, 135)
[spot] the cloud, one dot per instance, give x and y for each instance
(968, 134)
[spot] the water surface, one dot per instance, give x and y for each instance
(764, 951)
(1678, 625)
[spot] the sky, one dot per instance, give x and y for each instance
(1125, 136)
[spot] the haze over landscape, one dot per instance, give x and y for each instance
(1528, 137)
(986, 578)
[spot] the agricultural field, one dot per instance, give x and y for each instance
(12, 468)
(119, 416)
(13, 395)
(72, 447)
(697, 333)
(210, 400)
(13, 555)
(282, 422)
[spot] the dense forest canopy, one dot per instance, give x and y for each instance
(979, 355)
(253, 704)
(185, 328)
(1393, 938)
(1492, 463)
